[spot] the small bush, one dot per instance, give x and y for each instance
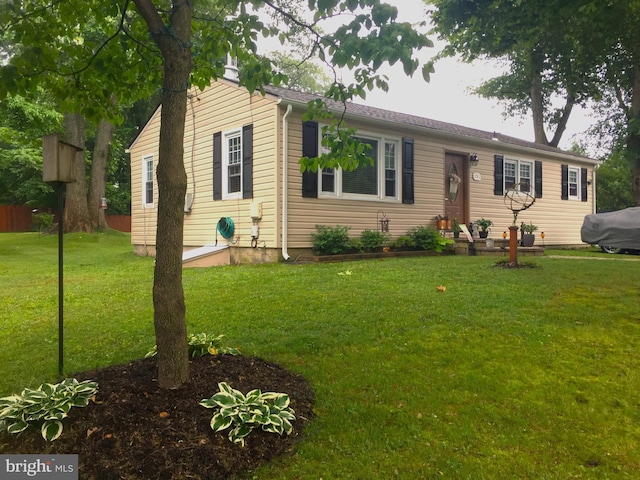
(372, 240)
(428, 238)
(403, 243)
(42, 220)
(331, 240)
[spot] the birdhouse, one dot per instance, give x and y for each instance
(58, 160)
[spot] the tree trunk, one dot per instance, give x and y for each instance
(633, 139)
(104, 134)
(537, 105)
(562, 124)
(168, 295)
(76, 212)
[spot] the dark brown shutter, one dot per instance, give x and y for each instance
(498, 175)
(583, 183)
(538, 180)
(310, 150)
(407, 171)
(247, 161)
(565, 182)
(217, 166)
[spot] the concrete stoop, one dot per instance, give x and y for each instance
(206, 256)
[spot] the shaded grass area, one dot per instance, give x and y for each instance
(529, 373)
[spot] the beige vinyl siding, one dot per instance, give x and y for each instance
(143, 219)
(221, 107)
(306, 213)
(559, 219)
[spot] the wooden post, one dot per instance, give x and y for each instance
(513, 245)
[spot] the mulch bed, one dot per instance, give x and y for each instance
(135, 430)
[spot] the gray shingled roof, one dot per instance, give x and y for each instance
(413, 120)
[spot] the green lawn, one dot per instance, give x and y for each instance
(529, 374)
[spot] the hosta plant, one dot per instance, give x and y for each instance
(44, 407)
(244, 413)
(201, 344)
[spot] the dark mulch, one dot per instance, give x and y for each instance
(127, 434)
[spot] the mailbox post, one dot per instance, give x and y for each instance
(58, 169)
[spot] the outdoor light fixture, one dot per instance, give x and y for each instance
(473, 159)
(504, 235)
(382, 219)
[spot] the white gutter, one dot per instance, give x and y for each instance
(595, 170)
(285, 180)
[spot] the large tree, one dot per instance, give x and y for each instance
(71, 61)
(570, 51)
(187, 43)
(547, 74)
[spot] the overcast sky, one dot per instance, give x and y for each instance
(447, 96)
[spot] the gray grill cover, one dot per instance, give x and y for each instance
(619, 229)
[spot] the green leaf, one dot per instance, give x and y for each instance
(427, 70)
(220, 422)
(51, 430)
(208, 403)
(237, 434)
(281, 401)
(224, 399)
(17, 426)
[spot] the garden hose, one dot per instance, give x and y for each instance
(225, 227)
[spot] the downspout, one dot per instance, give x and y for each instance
(595, 169)
(285, 180)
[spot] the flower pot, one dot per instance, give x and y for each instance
(483, 234)
(527, 239)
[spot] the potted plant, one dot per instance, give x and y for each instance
(484, 225)
(456, 228)
(528, 237)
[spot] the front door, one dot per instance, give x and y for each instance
(456, 187)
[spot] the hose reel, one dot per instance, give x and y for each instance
(226, 228)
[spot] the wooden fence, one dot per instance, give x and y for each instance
(122, 223)
(17, 218)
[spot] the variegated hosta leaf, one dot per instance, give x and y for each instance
(281, 401)
(237, 434)
(86, 388)
(287, 414)
(17, 427)
(224, 399)
(220, 422)
(286, 426)
(208, 403)
(253, 395)
(51, 429)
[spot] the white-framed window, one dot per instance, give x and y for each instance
(232, 164)
(379, 181)
(518, 171)
(148, 179)
(574, 183)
